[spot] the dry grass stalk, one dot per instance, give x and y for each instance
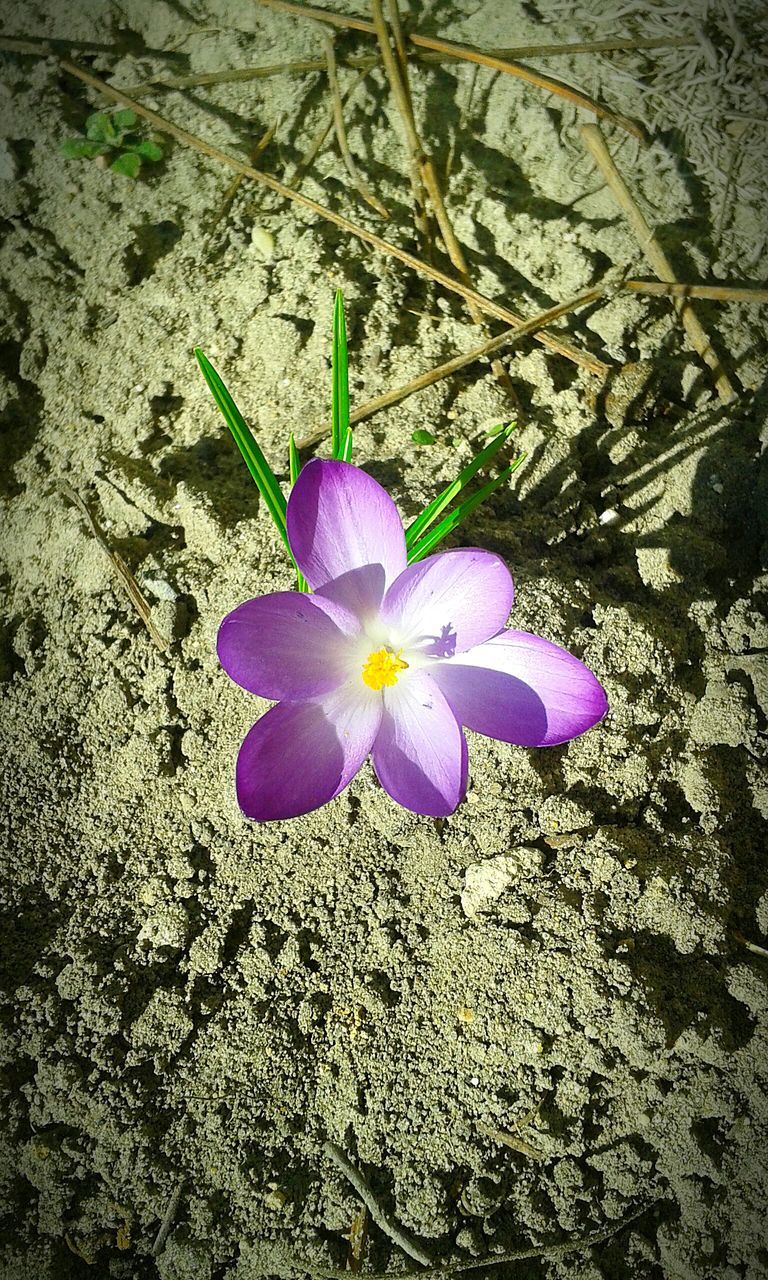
(438, 372)
(711, 292)
(382, 1220)
(320, 136)
(562, 347)
(127, 580)
(341, 133)
(234, 185)
(305, 66)
(659, 262)
(44, 47)
(168, 1219)
(548, 1252)
(401, 94)
(456, 254)
(510, 1140)
(397, 72)
(464, 53)
(232, 75)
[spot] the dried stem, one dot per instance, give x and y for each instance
(509, 338)
(168, 1219)
(595, 144)
(129, 583)
(713, 292)
(234, 185)
(422, 162)
(456, 254)
(341, 132)
(44, 47)
(366, 62)
(398, 36)
(233, 75)
(582, 358)
(448, 48)
(382, 1220)
(401, 94)
(548, 1252)
(319, 138)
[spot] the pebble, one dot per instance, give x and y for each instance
(263, 242)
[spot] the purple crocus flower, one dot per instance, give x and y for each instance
(389, 659)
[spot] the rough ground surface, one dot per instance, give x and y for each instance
(186, 998)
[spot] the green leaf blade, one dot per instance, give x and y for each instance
(260, 470)
(294, 463)
(446, 497)
(341, 441)
(431, 539)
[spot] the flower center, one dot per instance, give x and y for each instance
(382, 667)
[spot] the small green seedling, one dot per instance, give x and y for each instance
(116, 141)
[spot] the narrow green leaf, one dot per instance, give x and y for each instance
(346, 453)
(421, 436)
(83, 148)
(438, 504)
(128, 164)
(255, 461)
(294, 463)
(340, 390)
(455, 517)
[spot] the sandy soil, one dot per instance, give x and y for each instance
(191, 1004)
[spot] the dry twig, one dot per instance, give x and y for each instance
(341, 132)
(402, 97)
(510, 1140)
(421, 162)
(234, 185)
(595, 144)
(366, 62)
(320, 136)
(582, 358)
(505, 339)
(712, 292)
(548, 1252)
(464, 53)
(382, 1220)
(167, 1223)
(129, 583)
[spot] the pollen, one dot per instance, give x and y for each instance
(382, 667)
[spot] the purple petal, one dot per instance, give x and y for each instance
(298, 756)
(357, 594)
(419, 754)
(338, 519)
(284, 646)
(522, 689)
(449, 602)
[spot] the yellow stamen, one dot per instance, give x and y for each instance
(382, 668)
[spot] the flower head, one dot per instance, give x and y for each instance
(387, 659)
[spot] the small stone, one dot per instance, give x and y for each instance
(264, 243)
